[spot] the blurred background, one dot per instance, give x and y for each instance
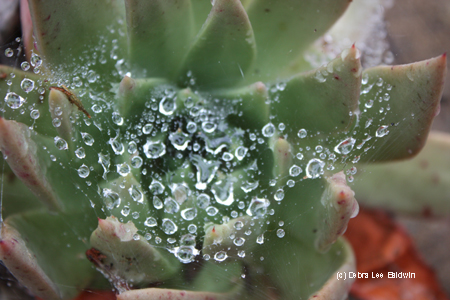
(417, 30)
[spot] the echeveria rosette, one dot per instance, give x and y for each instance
(208, 168)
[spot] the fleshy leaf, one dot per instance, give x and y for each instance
(252, 111)
(127, 257)
(169, 294)
(21, 154)
(284, 30)
(398, 104)
(414, 186)
(159, 32)
(56, 262)
(54, 23)
(333, 89)
(339, 205)
(24, 265)
(223, 50)
(39, 117)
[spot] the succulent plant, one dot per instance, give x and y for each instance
(189, 150)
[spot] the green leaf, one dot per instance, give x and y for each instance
(398, 104)
(159, 33)
(338, 206)
(57, 262)
(43, 124)
(283, 30)
(415, 186)
(21, 154)
(323, 100)
(127, 257)
(64, 48)
(223, 50)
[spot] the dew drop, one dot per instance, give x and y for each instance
(203, 201)
(314, 168)
(209, 127)
(171, 206)
(117, 119)
(191, 127)
(153, 149)
(87, 138)
(83, 171)
(179, 140)
(279, 195)
(212, 211)
(189, 214)
(60, 143)
(136, 194)
(25, 66)
(9, 52)
(345, 146)
(295, 170)
(34, 114)
(302, 133)
(168, 226)
(258, 207)
(35, 60)
(220, 256)
(240, 152)
(150, 222)
(27, 85)
(280, 233)
(13, 100)
(136, 162)
(157, 203)
(382, 131)
(268, 130)
(239, 241)
(123, 169)
(156, 187)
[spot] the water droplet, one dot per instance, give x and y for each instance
(211, 211)
(209, 127)
(279, 195)
(227, 156)
(56, 122)
(167, 106)
(123, 169)
(186, 254)
(153, 149)
(239, 241)
(302, 133)
(314, 168)
(281, 127)
(179, 140)
(206, 170)
(382, 131)
(240, 152)
(25, 66)
(189, 214)
(60, 143)
(150, 222)
(260, 239)
(9, 52)
(83, 171)
(13, 100)
(125, 211)
(168, 226)
(171, 206)
(91, 76)
(220, 256)
(258, 207)
(117, 146)
(249, 186)
(87, 138)
(157, 203)
(223, 191)
(319, 76)
(136, 162)
(136, 194)
(192, 228)
(34, 114)
(268, 130)
(191, 127)
(369, 103)
(295, 170)
(156, 187)
(112, 199)
(27, 85)
(117, 119)
(345, 146)
(280, 233)
(203, 201)
(35, 60)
